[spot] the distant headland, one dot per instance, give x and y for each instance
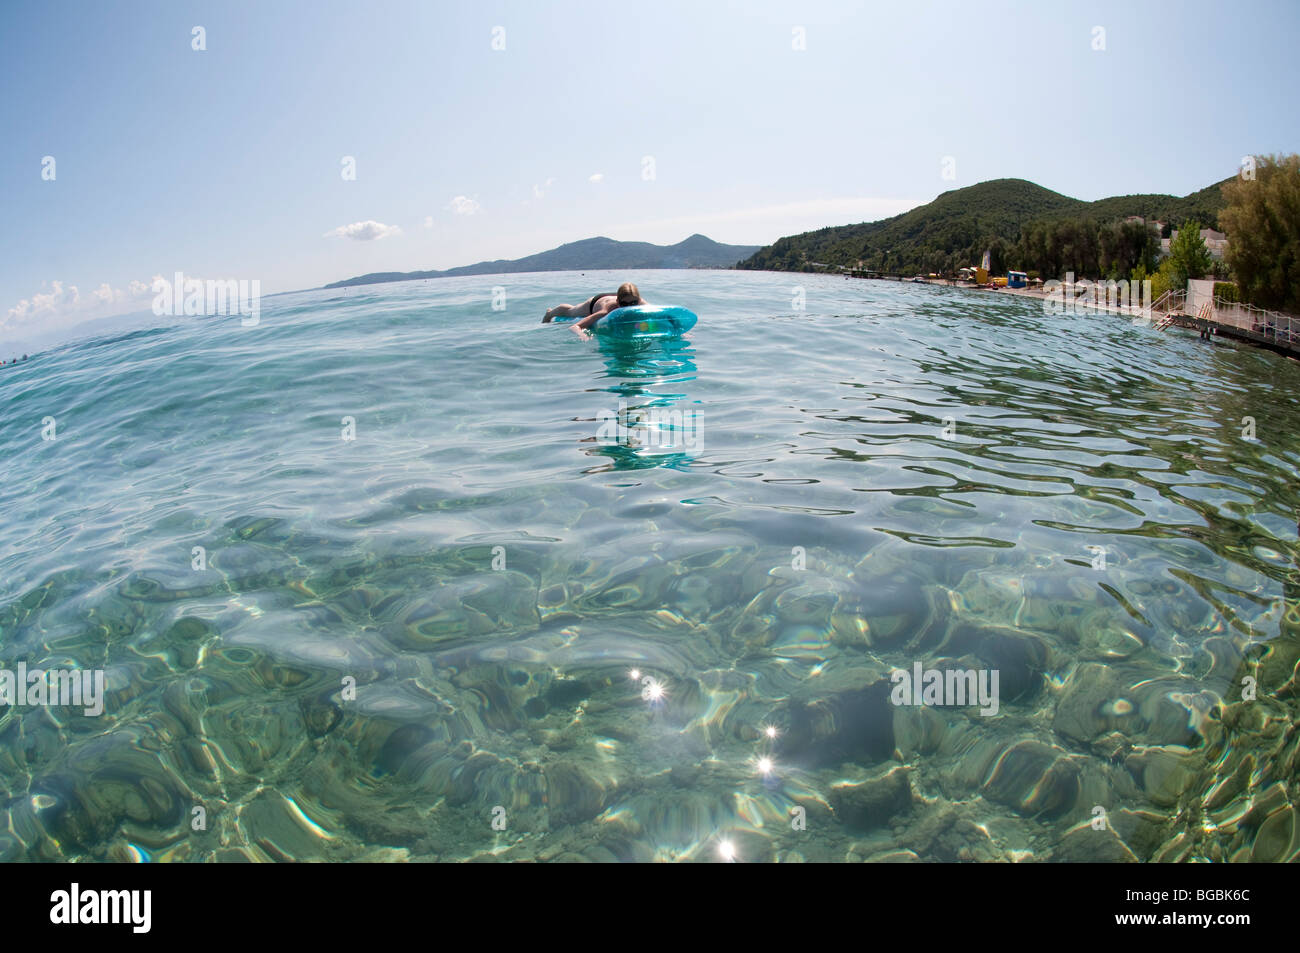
(590, 254)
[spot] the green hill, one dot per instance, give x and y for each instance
(956, 227)
(590, 254)
(1204, 206)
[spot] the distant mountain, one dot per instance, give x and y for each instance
(959, 224)
(590, 254)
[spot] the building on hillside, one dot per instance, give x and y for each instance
(1216, 242)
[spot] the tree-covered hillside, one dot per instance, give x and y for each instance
(590, 254)
(958, 226)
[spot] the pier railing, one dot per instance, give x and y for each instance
(1171, 302)
(1244, 317)
(1177, 307)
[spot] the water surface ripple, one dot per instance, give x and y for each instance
(578, 599)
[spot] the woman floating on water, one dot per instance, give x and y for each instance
(597, 306)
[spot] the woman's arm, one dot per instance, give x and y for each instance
(589, 320)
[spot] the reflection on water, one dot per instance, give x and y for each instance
(440, 633)
(652, 422)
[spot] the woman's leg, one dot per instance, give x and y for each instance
(562, 311)
(569, 310)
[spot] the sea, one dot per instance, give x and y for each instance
(853, 571)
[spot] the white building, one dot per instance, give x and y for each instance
(1216, 242)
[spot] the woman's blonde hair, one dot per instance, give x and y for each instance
(628, 295)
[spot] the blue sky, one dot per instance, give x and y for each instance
(226, 162)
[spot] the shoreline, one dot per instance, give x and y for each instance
(1038, 294)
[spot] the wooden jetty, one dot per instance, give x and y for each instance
(1213, 317)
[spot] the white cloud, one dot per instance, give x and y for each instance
(464, 205)
(64, 304)
(428, 221)
(597, 178)
(363, 231)
(540, 191)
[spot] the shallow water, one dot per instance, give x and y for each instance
(419, 643)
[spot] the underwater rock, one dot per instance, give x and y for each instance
(808, 603)
(162, 585)
(248, 567)
(685, 775)
(918, 730)
(11, 849)
(1264, 803)
(1175, 711)
(613, 848)
(235, 855)
(25, 825)
(1020, 658)
(894, 857)
(1141, 831)
(967, 752)
(817, 810)
(1175, 850)
(1274, 840)
(751, 631)
(1083, 845)
(1108, 642)
(272, 675)
(385, 855)
(924, 835)
(1033, 778)
(1102, 784)
(872, 802)
(28, 739)
(900, 609)
(113, 781)
(272, 824)
(1245, 717)
(485, 603)
(676, 818)
(1231, 786)
(1165, 773)
(320, 715)
(257, 739)
(572, 795)
(855, 725)
(1092, 703)
(1278, 660)
(506, 696)
(401, 745)
(1170, 711)
(792, 609)
(477, 782)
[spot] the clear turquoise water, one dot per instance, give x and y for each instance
(794, 525)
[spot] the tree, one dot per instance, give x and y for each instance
(1126, 246)
(1262, 219)
(1188, 256)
